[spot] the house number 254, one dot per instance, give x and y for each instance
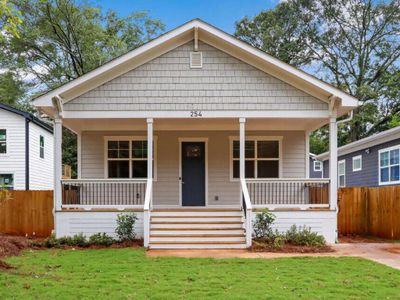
(196, 113)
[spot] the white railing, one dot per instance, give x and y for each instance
(103, 193)
(289, 192)
(146, 212)
(247, 210)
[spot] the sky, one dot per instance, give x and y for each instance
(220, 13)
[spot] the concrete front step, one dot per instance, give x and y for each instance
(236, 225)
(197, 239)
(191, 232)
(196, 219)
(198, 246)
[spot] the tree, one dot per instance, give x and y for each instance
(9, 18)
(11, 89)
(353, 44)
(60, 40)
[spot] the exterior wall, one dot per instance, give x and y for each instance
(89, 223)
(369, 174)
(13, 162)
(41, 170)
(166, 188)
(321, 222)
(314, 174)
(168, 83)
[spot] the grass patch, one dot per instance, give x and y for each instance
(129, 274)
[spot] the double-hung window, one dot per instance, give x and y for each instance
(127, 157)
(41, 146)
(342, 173)
(389, 165)
(6, 181)
(357, 163)
(3, 141)
(262, 158)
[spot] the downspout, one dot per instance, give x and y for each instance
(27, 121)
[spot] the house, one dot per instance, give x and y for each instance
(26, 151)
(195, 132)
(371, 161)
(316, 167)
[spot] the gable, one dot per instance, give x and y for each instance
(168, 83)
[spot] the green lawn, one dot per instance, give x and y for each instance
(129, 274)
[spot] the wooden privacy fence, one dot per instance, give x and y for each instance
(370, 211)
(26, 213)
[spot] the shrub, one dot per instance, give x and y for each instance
(262, 224)
(125, 227)
(101, 239)
(303, 236)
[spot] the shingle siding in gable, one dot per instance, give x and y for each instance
(369, 174)
(168, 83)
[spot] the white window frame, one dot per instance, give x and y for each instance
(130, 139)
(255, 138)
(40, 147)
(354, 159)
(6, 141)
(343, 161)
(397, 147)
(13, 177)
(317, 162)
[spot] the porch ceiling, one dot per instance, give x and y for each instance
(209, 124)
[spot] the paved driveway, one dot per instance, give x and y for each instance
(384, 253)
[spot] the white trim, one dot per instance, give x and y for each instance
(193, 139)
(355, 158)
(320, 165)
(290, 206)
(90, 207)
(205, 30)
(255, 138)
(79, 155)
(130, 139)
(343, 161)
(302, 114)
(388, 149)
(307, 152)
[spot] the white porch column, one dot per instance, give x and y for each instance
(333, 160)
(150, 149)
(307, 150)
(242, 139)
(57, 196)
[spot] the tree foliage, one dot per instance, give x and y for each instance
(9, 19)
(353, 44)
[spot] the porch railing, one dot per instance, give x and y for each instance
(294, 192)
(247, 211)
(90, 193)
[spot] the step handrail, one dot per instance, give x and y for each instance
(247, 210)
(146, 212)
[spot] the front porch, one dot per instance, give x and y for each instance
(186, 178)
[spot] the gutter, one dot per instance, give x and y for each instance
(27, 121)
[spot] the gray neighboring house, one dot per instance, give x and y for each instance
(372, 161)
(316, 167)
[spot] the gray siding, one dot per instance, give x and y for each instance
(369, 175)
(314, 174)
(168, 83)
(166, 188)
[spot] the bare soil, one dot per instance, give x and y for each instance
(259, 246)
(394, 249)
(350, 239)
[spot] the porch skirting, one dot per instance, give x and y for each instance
(69, 223)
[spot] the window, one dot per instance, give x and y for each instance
(357, 163)
(6, 181)
(41, 146)
(389, 165)
(262, 158)
(3, 141)
(127, 158)
(342, 173)
(317, 166)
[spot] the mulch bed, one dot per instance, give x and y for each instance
(14, 245)
(289, 248)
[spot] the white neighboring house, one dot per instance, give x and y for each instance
(26, 151)
(195, 131)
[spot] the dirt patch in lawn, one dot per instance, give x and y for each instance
(289, 248)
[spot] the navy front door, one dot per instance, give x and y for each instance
(193, 178)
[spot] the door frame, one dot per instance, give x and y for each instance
(193, 139)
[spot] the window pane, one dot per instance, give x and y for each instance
(236, 149)
(41, 150)
(357, 163)
(3, 135)
(118, 169)
(249, 169)
(118, 149)
(341, 168)
(341, 180)
(139, 169)
(385, 174)
(267, 169)
(139, 149)
(249, 149)
(394, 173)
(268, 149)
(6, 180)
(394, 157)
(41, 141)
(384, 159)
(113, 145)
(3, 147)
